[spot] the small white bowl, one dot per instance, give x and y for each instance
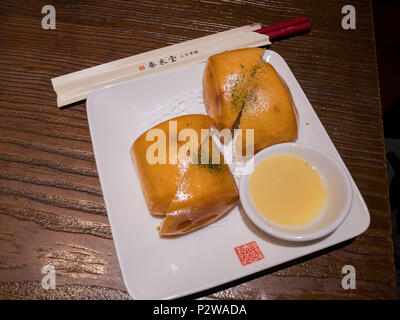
(337, 205)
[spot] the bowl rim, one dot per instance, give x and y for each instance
(257, 218)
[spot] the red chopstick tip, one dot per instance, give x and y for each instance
(289, 31)
(286, 29)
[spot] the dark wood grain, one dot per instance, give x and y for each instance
(51, 205)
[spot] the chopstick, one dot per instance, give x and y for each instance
(78, 85)
(286, 29)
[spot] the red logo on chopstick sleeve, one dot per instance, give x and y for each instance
(249, 253)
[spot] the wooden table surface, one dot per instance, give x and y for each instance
(51, 204)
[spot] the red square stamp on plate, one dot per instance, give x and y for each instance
(249, 253)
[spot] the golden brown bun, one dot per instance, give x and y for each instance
(188, 195)
(239, 88)
(268, 109)
(224, 83)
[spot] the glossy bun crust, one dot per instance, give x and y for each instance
(268, 109)
(241, 91)
(187, 195)
(224, 81)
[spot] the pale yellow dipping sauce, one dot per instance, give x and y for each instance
(287, 190)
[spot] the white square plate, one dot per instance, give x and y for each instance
(162, 268)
